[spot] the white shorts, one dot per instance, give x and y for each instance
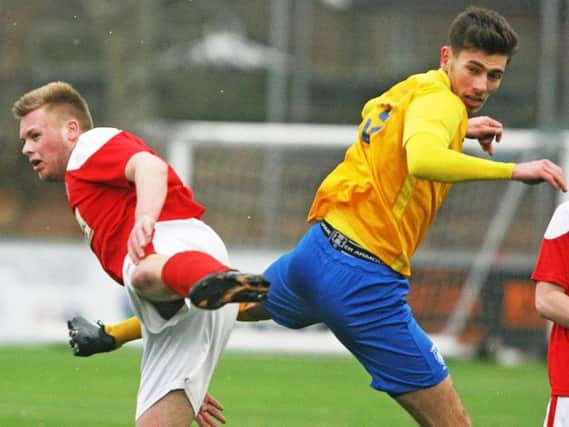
(181, 352)
(560, 414)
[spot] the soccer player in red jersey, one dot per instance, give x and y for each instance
(552, 302)
(144, 226)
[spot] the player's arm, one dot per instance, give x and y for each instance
(429, 158)
(431, 120)
(149, 173)
(552, 303)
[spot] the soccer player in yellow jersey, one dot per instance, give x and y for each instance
(351, 270)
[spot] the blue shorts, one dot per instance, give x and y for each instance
(363, 303)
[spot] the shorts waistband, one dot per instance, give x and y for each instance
(344, 244)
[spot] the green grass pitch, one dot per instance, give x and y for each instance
(48, 387)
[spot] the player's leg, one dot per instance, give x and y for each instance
(87, 338)
(125, 331)
(180, 353)
(278, 290)
(215, 290)
(160, 277)
(252, 312)
(183, 256)
(284, 305)
(364, 305)
(169, 275)
(437, 406)
(173, 410)
(146, 279)
(401, 359)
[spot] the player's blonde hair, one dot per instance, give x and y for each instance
(59, 95)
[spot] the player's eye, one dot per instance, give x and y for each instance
(495, 76)
(473, 70)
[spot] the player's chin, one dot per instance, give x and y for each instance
(474, 109)
(473, 106)
(47, 178)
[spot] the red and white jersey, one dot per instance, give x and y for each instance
(103, 200)
(553, 266)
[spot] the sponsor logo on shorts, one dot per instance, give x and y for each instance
(337, 240)
(437, 355)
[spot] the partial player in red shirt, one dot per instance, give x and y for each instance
(145, 229)
(552, 302)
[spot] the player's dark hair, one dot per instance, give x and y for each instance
(482, 29)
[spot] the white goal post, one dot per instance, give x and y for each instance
(257, 182)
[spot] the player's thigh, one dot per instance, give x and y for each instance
(283, 304)
(173, 410)
(365, 307)
(183, 355)
(399, 356)
(438, 406)
(171, 237)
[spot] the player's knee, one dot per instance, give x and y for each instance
(145, 280)
(148, 284)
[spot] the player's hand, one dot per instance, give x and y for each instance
(210, 413)
(486, 130)
(87, 338)
(140, 236)
(538, 171)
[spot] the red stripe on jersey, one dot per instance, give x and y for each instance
(551, 412)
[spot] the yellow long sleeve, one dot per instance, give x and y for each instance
(430, 159)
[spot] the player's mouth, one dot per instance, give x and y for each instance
(36, 164)
(473, 103)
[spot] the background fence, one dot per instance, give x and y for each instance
(152, 65)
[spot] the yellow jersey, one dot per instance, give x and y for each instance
(370, 196)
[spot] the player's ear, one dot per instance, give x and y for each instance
(72, 130)
(446, 53)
